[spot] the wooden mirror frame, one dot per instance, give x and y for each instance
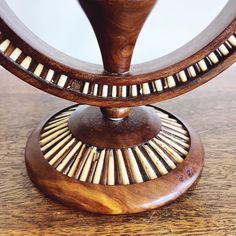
(195, 63)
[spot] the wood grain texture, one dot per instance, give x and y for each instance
(119, 199)
(117, 25)
(208, 210)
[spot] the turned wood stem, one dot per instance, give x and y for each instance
(114, 113)
(117, 24)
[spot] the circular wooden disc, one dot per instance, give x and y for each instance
(90, 126)
(114, 181)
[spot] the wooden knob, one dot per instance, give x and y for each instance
(88, 125)
(115, 113)
(117, 24)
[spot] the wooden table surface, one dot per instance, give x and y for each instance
(208, 209)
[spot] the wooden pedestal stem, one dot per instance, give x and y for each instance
(117, 24)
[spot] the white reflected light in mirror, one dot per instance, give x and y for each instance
(63, 25)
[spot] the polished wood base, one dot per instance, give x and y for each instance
(114, 180)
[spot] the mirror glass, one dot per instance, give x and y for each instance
(63, 25)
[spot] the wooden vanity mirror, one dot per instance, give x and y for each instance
(112, 152)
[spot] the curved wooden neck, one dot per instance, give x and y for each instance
(117, 24)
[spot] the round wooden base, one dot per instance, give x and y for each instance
(114, 180)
